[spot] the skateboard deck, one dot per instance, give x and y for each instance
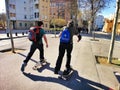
(39, 65)
(66, 77)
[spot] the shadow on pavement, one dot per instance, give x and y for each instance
(47, 66)
(117, 74)
(75, 83)
(26, 56)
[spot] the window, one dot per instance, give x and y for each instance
(20, 24)
(45, 25)
(14, 15)
(25, 17)
(13, 6)
(35, 14)
(25, 24)
(110, 28)
(10, 14)
(25, 8)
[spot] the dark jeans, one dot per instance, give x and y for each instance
(33, 47)
(62, 48)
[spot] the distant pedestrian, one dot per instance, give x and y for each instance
(66, 45)
(37, 45)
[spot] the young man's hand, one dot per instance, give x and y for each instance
(46, 45)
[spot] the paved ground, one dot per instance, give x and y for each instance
(88, 74)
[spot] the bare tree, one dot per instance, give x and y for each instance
(94, 7)
(72, 9)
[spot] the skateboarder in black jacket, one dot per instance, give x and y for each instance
(37, 45)
(68, 47)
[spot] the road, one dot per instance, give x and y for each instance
(88, 75)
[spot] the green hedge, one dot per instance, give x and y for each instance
(56, 29)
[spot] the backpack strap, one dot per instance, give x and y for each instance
(37, 29)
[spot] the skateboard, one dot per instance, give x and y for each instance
(66, 77)
(39, 65)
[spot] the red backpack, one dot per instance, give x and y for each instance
(34, 33)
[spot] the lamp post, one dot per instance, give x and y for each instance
(113, 32)
(8, 24)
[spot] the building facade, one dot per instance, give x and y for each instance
(26, 13)
(99, 22)
(60, 9)
(108, 26)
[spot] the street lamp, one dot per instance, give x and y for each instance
(8, 24)
(114, 32)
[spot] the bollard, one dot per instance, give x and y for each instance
(22, 33)
(15, 34)
(7, 34)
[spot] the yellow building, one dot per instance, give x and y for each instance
(44, 12)
(108, 26)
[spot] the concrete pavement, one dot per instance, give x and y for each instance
(88, 74)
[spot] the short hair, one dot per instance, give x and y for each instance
(40, 23)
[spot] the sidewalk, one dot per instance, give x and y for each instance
(88, 74)
(4, 36)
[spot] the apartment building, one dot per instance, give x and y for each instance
(26, 13)
(99, 22)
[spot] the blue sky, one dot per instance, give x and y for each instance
(109, 10)
(106, 12)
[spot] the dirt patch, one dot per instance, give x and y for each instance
(104, 60)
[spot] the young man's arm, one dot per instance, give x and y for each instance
(45, 39)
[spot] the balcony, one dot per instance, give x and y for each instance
(12, 18)
(12, 10)
(36, 1)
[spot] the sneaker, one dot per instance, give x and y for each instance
(43, 61)
(23, 66)
(67, 71)
(55, 72)
(37, 65)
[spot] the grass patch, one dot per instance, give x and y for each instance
(104, 60)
